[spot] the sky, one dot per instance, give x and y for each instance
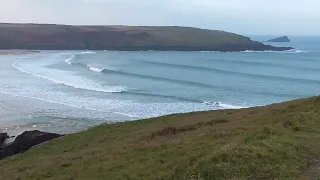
(248, 17)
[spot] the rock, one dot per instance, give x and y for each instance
(26, 141)
(3, 137)
(280, 39)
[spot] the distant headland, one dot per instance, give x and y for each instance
(125, 38)
(280, 39)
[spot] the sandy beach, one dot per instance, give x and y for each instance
(16, 52)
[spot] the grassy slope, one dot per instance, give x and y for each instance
(273, 142)
(40, 35)
(195, 37)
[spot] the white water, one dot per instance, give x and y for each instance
(287, 51)
(88, 52)
(68, 90)
(66, 78)
(95, 69)
(69, 60)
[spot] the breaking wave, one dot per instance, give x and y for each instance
(71, 80)
(70, 59)
(268, 51)
(220, 105)
(95, 69)
(88, 52)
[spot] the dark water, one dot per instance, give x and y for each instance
(68, 91)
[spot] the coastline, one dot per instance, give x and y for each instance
(17, 52)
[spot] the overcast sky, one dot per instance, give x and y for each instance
(249, 17)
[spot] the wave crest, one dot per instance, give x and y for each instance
(95, 69)
(74, 81)
(70, 59)
(268, 51)
(88, 52)
(220, 105)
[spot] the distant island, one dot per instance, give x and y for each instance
(280, 39)
(124, 38)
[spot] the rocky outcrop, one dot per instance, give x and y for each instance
(280, 39)
(124, 38)
(3, 137)
(26, 141)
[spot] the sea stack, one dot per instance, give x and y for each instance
(280, 39)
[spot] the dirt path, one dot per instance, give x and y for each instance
(314, 171)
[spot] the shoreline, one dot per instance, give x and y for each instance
(17, 52)
(267, 48)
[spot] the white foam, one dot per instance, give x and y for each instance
(70, 59)
(229, 106)
(98, 105)
(49, 101)
(220, 105)
(113, 109)
(296, 51)
(209, 51)
(71, 80)
(88, 52)
(268, 51)
(95, 69)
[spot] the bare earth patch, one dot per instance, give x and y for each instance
(314, 171)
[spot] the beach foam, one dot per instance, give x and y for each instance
(220, 105)
(286, 51)
(70, 59)
(88, 52)
(95, 69)
(68, 79)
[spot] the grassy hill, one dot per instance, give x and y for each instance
(126, 38)
(280, 141)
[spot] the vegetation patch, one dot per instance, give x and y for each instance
(280, 141)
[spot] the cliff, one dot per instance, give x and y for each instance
(123, 38)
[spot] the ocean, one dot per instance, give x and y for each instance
(70, 91)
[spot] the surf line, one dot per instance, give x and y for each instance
(93, 87)
(65, 104)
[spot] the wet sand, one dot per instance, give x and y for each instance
(16, 52)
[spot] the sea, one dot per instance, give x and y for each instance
(71, 91)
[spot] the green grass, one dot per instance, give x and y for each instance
(168, 38)
(279, 141)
